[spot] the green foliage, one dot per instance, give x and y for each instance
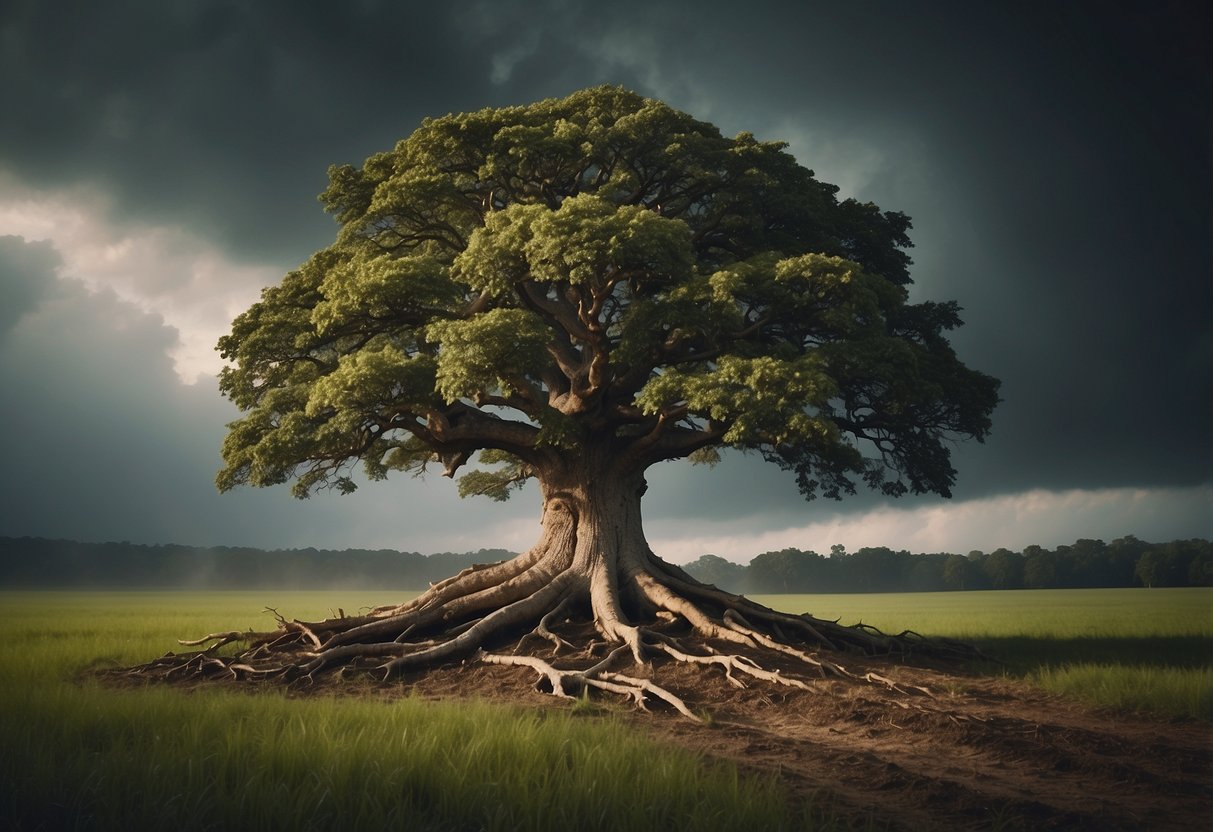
(490, 352)
(497, 483)
(583, 242)
(598, 269)
(759, 398)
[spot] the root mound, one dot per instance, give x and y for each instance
(573, 628)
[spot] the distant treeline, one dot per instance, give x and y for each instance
(27, 562)
(1124, 562)
(37, 562)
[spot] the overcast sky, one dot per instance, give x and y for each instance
(159, 165)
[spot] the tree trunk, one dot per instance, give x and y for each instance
(601, 505)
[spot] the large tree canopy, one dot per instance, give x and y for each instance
(576, 290)
(600, 269)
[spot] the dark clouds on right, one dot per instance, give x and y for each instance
(1055, 159)
(1091, 287)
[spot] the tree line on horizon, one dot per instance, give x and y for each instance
(1125, 562)
(1087, 563)
(38, 562)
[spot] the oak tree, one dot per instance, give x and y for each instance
(571, 292)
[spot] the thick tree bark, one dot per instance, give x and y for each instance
(599, 497)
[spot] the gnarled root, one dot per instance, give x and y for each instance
(567, 683)
(550, 604)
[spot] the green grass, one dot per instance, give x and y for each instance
(76, 755)
(1146, 650)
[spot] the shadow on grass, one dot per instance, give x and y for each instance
(1023, 654)
(1168, 676)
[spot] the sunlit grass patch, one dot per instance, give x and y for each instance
(77, 754)
(1172, 691)
(162, 759)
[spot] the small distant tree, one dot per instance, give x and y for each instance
(572, 292)
(1153, 568)
(1090, 564)
(878, 569)
(1171, 564)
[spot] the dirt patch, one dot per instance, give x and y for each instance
(933, 750)
(975, 753)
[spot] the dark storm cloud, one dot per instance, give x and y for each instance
(223, 116)
(101, 441)
(1089, 290)
(24, 271)
(96, 424)
(83, 423)
(1056, 162)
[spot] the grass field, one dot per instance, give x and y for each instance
(77, 755)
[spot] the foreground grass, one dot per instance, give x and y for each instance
(75, 755)
(1148, 650)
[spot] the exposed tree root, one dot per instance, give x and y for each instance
(567, 683)
(576, 627)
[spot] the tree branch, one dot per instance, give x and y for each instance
(668, 440)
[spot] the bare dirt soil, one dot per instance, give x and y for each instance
(935, 750)
(975, 753)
